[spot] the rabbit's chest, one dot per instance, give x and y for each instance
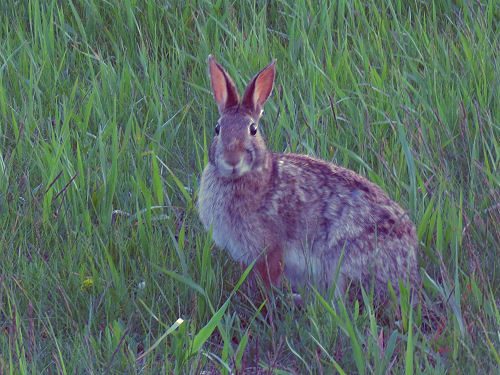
(234, 226)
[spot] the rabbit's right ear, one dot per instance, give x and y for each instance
(259, 88)
(223, 87)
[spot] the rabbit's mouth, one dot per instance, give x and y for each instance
(233, 171)
(236, 167)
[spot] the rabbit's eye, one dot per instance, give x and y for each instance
(253, 128)
(217, 129)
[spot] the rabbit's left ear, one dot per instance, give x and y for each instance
(223, 87)
(259, 88)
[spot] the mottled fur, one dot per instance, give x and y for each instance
(298, 213)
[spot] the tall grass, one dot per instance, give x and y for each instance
(106, 118)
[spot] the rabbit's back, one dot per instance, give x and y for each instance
(326, 211)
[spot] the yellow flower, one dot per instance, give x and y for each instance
(87, 283)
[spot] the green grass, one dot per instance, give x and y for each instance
(106, 115)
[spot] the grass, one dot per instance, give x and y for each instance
(106, 117)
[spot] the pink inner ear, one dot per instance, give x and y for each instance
(223, 87)
(218, 80)
(263, 86)
(259, 88)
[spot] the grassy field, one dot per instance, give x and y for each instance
(106, 117)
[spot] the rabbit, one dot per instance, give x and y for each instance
(299, 217)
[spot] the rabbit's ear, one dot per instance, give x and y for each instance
(223, 87)
(259, 89)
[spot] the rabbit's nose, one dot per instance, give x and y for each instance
(232, 158)
(233, 152)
